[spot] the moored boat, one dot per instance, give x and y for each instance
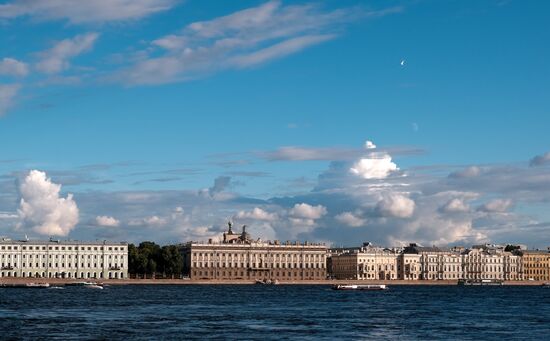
(360, 287)
(25, 285)
(480, 282)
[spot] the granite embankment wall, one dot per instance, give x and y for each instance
(238, 282)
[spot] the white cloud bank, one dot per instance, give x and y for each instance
(42, 209)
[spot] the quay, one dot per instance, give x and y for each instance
(328, 282)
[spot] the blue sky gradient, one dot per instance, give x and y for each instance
(473, 92)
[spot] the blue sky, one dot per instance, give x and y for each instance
(158, 100)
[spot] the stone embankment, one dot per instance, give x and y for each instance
(56, 281)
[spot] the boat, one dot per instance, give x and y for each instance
(267, 282)
(546, 284)
(25, 285)
(480, 282)
(94, 286)
(360, 287)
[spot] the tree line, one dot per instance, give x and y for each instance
(149, 259)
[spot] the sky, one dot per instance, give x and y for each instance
(331, 121)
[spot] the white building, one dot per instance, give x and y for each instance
(367, 262)
(63, 259)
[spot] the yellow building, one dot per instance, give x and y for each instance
(536, 265)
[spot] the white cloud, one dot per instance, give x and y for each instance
(307, 211)
(57, 58)
(256, 214)
(107, 221)
(455, 205)
(370, 145)
(7, 95)
(280, 50)
(496, 205)
(42, 209)
(241, 39)
(396, 205)
(350, 219)
(84, 11)
(294, 153)
(375, 166)
(152, 221)
(13, 67)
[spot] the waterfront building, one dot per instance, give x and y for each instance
(483, 262)
(238, 256)
(436, 263)
(63, 259)
(366, 262)
(408, 266)
(535, 264)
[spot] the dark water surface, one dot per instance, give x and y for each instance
(276, 312)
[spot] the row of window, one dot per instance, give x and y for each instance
(260, 265)
(110, 275)
(62, 265)
(240, 255)
(69, 248)
(14, 256)
(242, 274)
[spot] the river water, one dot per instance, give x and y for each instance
(254, 312)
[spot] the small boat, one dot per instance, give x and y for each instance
(94, 286)
(267, 282)
(546, 284)
(480, 282)
(56, 287)
(25, 285)
(360, 287)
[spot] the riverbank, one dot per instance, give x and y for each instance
(57, 281)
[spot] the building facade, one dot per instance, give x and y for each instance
(491, 262)
(239, 257)
(367, 262)
(436, 263)
(63, 259)
(535, 264)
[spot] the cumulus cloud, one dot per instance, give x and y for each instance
(107, 221)
(256, 214)
(307, 211)
(396, 205)
(496, 205)
(57, 58)
(455, 205)
(13, 67)
(375, 166)
(42, 209)
(84, 11)
(350, 219)
(540, 160)
(7, 96)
